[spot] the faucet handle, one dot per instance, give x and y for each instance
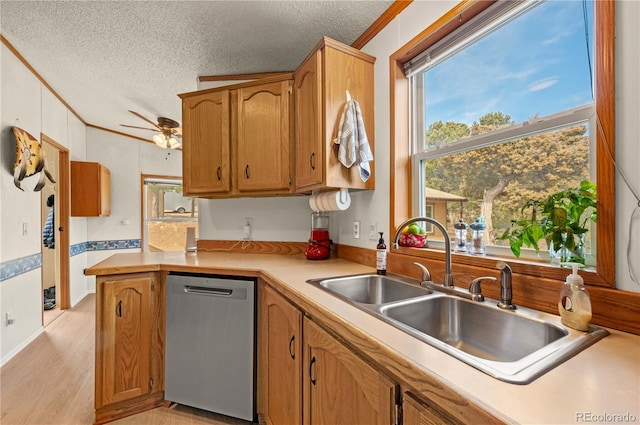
(426, 274)
(476, 290)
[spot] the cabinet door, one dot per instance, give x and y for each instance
(90, 189)
(415, 412)
(308, 119)
(123, 339)
(283, 357)
(340, 387)
(263, 130)
(205, 143)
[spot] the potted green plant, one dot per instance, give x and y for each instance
(561, 219)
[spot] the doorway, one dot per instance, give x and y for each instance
(54, 201)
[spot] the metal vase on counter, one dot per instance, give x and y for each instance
(319, 246)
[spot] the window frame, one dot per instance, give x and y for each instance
(402, 170)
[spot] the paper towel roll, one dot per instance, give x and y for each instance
(190, 245)
(334, 200)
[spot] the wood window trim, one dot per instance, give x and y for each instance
(400, 184)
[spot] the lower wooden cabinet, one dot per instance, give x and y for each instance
(340, 387)
(129, 329)
(417, 412)
(280, 338)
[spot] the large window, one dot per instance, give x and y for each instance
(502, 112)
(506, 101)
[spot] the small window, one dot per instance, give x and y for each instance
(167, 215)
(502, 111)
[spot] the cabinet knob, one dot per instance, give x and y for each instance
(312, 161)
(219, 173)
(246, 171)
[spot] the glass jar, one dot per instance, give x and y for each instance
(477, 237)
(460, 244)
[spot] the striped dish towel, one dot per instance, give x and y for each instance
(352, 138)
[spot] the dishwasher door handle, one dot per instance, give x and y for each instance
(204, 290)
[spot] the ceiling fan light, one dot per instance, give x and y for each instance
(160, 140)
(173, 143)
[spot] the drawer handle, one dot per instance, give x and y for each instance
(246, 171)
(291, 353)
(313, 361)
(119, 309)
(312, 161)
(219, 173)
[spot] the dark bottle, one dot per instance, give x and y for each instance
(381, 256)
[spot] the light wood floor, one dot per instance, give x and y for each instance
(51, 380)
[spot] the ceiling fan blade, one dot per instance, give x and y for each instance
(177, 131)
(146, 119)
(141, 128)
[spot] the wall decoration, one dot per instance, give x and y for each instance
(30, 160)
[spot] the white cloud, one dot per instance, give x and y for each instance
(543, 84)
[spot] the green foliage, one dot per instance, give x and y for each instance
(505, 175)
(558, 218)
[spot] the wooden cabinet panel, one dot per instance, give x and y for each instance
(282, 351)
(340, 387)
(415, 412)
(206, 140)
(90, 189)
(124, 338)
(263, 131)
(308, 131)
(322, 82)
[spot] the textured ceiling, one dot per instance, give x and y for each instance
(105, 57)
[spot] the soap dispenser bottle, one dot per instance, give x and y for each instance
(381, 256)
(574, 304)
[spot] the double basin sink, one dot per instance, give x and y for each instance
(513, 346)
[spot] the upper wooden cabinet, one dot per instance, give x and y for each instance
(321, 84)
(205, 148)
(237, 139)
(90, 189)
(264, 137)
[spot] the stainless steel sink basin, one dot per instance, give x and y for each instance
(513, 346)
(476, 329)
(371, 288)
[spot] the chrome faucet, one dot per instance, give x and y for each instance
(505, 286)
(448, 276)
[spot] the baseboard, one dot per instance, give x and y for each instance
(21, 347)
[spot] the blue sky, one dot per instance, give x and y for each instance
(537, 64)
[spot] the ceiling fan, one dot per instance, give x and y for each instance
(168, 131)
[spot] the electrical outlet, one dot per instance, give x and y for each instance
(356, 230)
(10, 320)
(248, 228)
(373, 231)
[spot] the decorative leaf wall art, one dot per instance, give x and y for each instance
(30, 160)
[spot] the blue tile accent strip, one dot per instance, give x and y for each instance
(16, 267)
(115, 244)
(78, 248)
(13, 268)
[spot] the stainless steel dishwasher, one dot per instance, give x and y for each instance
(210, 360)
